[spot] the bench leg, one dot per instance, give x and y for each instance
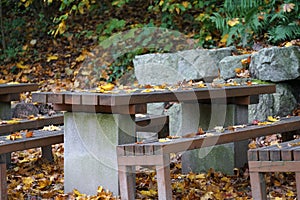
(3, 182)
(258, 186)
(297, 175)
(163, 179)
(47, 153)
(127, 182)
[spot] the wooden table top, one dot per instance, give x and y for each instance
(65, 99)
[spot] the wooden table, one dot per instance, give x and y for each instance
(11, 92)
(96, 122)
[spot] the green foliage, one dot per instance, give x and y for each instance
(13, 39)
(243, 21)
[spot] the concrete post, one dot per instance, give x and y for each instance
(90, 141)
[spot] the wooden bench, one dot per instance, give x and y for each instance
(40, 138)
(284, 157)
(158, 153)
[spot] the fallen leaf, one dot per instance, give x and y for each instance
(29, 134)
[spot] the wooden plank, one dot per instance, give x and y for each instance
(131, 109)
(39, 139)
(3, 181)
(139, 150)
(41, 97)
(129, 150)
(296, 154)
(89, 99)
(56, 98)
(140, 160)
(163, 178)
(32, 124)
(274, 166)
(9, 97)
(18, 88)
(149, 150)
(73, 98)
(264, 155)
(297, 177)
(253, 155)
(258, 185)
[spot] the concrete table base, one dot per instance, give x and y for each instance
(220, 157)
(90, 158)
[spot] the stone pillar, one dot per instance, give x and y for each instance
(90, 141)
(220, 157)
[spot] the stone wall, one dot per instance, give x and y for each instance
(280, 65)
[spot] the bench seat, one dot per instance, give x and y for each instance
(24, 124)
(158, 153)
(40, 138)
(284, 157)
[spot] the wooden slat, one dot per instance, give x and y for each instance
(89, 99)
(131, 109)
(274, 166)
(129, 150)
(9, 97)
(253, 155)
(139, 150)
(149, 150)
(56, 98)
(3, 181)
(31, 124)
(73, 98)
(18, 88)
(39, 139)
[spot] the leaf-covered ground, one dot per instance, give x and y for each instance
(31, 177)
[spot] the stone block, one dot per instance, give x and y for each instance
(276, 64)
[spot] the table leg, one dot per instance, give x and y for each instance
(220, 157)
(5, 110)
(90, 158)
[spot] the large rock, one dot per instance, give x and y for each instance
(23, 110)
(281, 103)
(229, 64)
(183, 65)
(276, 64)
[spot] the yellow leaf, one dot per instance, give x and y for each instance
(28, 180)
(186, 4)
(20, 66)
(107, 87)
(224, 38)
(80, 58)
(200, 176)
(290, 193)
(233, 22)
(177, 10)
(288, 44)
(77, 193)
(164, 140)
(147, 90)
(272, 119)
(52, 58)
(149, 192)
(207, 38)
(263, 123)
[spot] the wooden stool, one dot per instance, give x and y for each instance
(284, 157)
